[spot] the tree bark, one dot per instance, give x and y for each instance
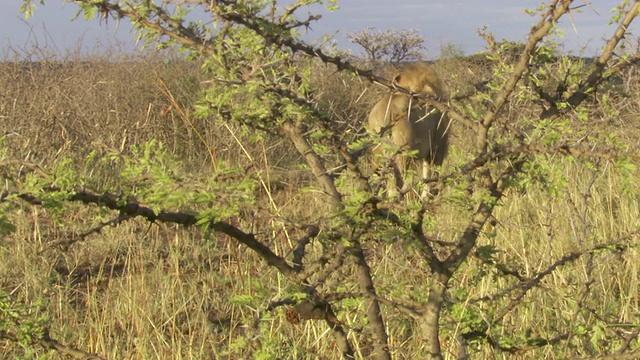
(429, 322)
(376, 322)
(295, 133)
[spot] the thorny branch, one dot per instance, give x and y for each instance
(619, 245)
(538, 32)
(296, 273)
(598, 74)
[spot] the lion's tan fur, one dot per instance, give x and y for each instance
(411, 123)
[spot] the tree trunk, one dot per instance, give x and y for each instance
(429, 322)
(376, 322)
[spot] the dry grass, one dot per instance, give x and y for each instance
(140, 291)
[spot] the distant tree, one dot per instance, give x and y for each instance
(451, 51)
(391, 45)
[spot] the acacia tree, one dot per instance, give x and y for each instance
(260, 73)
(390, 45)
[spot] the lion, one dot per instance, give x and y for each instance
(412, 124)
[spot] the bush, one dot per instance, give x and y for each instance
(234, 212)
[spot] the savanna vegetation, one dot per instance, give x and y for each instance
(217, 199)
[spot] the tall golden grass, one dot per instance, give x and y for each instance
(141, 291)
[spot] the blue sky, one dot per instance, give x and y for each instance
(439, 21)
